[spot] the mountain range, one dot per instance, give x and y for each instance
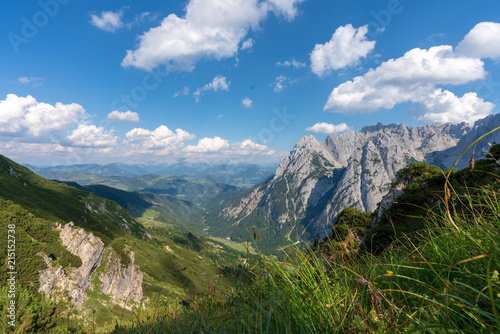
(241, 175)
(317, 180)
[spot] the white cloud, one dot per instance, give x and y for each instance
(443, 107)
(24, 116)
(287, 8)
(209, 29)
(91, 136)
(404, 79)
(247, 103)
(293, 63)
(248, 147)
(144, 17)
(208, 145)
(248, 44)
(127, 116)
(281, 83)
(327, 128)
(218, 83)
(108, 20)
(344, 49)
(160, 138)
(36, 81)
(220, 116)
(222, 148)
(184, 91)
(483, 41)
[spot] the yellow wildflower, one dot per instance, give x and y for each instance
(390, 273)
(494, 276)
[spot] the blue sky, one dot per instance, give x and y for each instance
(234, 80)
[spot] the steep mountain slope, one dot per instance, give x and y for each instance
(446, 158)
(50, 200)
(152, 209)
(317, 180)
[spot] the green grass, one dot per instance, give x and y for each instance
(240, 247)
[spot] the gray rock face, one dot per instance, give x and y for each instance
(447, 157)
(317, 180)
(121, 283)
(116, 281)
(89, 249)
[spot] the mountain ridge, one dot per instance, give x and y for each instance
(316, 180)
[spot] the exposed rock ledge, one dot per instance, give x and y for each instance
(122, 284)
(117, 282)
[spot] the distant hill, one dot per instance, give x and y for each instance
(241, 175)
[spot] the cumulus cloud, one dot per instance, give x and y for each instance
(404, 79)
(248, 147)
(291, 63)
(344, 49)
(483, 41)
(220, 147)
(327, 128)
(444, 106)
(209, 29)
(108, 20)
(91, 136)
(25, 116)
(286, 8)
(247, 103)
(35, 81)
(127, 116)
(218, 83)
(208, 145)
(248, 44)
(160, 138)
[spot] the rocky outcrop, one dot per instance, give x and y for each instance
(354, 169)
(385, 205)
(117, 282)
(121, 283)
(74, 283)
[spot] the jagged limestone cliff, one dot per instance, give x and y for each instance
(114, 280)
(354, 169)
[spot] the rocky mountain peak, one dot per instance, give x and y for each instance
(306, 141)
